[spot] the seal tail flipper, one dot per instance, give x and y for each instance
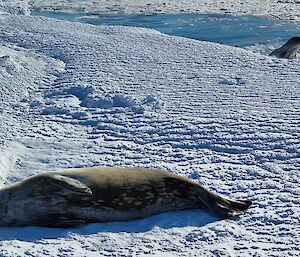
(241, 204)
(226, 208)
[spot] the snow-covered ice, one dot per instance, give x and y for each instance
(283, 9)
(76, 95)
(254, 33)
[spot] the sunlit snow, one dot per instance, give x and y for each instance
(75, 95)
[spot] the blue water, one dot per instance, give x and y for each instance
(239, 31)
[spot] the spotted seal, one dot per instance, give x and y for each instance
(100, 194)
(288, 50)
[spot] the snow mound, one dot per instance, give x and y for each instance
(10, 155)
(15, 7)
(9, 65)
(63, 101)
(234, 81)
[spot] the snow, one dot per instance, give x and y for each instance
(75, 95)
(282, 9)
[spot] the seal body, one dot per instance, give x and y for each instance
(100, 194)
(288, 50)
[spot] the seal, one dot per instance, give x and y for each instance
(288, 50)
(99, 194)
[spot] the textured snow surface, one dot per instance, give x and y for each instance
(76, 95)
(283, 9)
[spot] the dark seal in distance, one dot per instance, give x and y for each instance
(288, 50)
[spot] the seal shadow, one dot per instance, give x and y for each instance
(175, 219)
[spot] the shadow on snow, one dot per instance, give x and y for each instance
(168, 220)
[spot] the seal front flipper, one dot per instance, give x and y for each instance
(65, 182)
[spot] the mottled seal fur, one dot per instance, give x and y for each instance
(288, 50)
(100, 194)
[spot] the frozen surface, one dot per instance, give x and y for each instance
(283, 9)
(258, 34)
(76, 95)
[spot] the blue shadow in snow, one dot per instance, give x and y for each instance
(196, 218)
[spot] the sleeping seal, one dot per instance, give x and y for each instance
(288, 50)
(79, 196)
